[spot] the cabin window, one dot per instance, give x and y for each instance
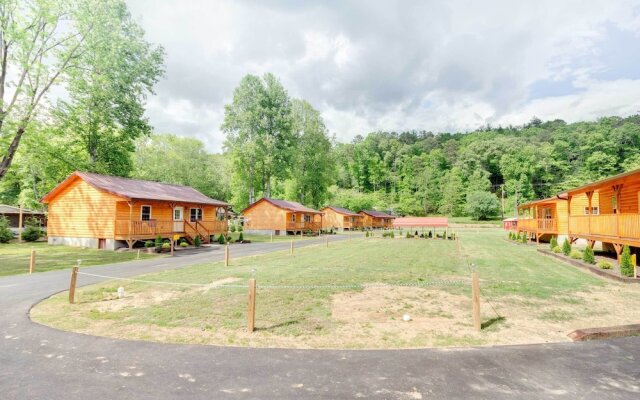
(145, 213)
(595, 210)
(353, 219)
(307, 218)
(293, 218)
(586, 211)
(614, 204)
(196, 214)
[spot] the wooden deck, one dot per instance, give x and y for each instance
(143, 230)
(303, 226)
(623, 229)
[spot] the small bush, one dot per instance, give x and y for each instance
(32, 231)
(603, 264)
(158, 243)
(588, 256)
(430, 235)
(566, 247)
(422, 236)
(553, 242)
(576, 254)
(392, 235)
(240, 237)
(232, 227)
(626, 266)
(166, 245)
(197, 241)
(148, 244)
(5, 232)
(221, 239)
(184, 244)
(523, 239)
(557, 249)
(408, 235)
(240, 228)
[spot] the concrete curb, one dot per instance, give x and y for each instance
(593, 269)
(609, 332)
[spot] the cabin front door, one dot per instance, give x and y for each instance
(178, 219)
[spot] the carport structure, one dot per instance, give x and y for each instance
(422, 223)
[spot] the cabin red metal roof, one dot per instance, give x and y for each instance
(377, 214)
(421, 222)
(287, 205)
(343, 211)
(136, 189)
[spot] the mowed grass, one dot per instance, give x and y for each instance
(14, 257)
(307, 300)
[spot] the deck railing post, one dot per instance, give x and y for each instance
(72, 285)
(475, 298)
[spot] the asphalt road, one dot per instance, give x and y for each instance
(37, 362)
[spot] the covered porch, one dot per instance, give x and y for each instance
(541, 218)
(301, 222)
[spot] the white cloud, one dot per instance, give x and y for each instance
(368, 66)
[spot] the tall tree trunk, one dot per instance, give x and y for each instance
(8, 158)
(267, 187)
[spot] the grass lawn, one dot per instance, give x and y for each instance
(14, 257)
(526, 297)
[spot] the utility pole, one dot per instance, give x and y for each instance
(515, 207)
(502, 191)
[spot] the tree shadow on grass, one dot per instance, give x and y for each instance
(493, 321)
(280, 325)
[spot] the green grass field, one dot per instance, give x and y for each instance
(14, 257)
(305, 300)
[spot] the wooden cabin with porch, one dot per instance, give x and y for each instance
(108, 212)
(279, 217)
(607, 211)
(372, 219)
(542, 219)
(339, 218)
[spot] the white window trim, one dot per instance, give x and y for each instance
(595, 210)
(150, 211)
(586, 211)
(201, 213)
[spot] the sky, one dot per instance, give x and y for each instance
(440, 66)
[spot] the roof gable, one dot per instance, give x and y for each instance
(285, 205)
(343, 211)
(377, 214)
(135, 189)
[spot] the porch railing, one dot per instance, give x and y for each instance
(304, 226)
(140, 228)
(613, 225)
(538, 224)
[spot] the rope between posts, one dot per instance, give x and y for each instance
(346, 286)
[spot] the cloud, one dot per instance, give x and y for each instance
(368, 66)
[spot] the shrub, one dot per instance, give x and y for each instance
(566, 247)
(557, 249)
(553, 242)
(523, 239)
(240, 237)
(603, 264)
(5, 232)
(392, 235)
(430, 235)
(183, 243)
(158, 243)
(232, 227)
(240, 228)
(366, 234)
(408, 235)
(588, 256)
(626, 266)
(422, 236)
(576, 254)
(197, 241)
(166, 245)
(32, 232)
(221, 239)
(148, 244)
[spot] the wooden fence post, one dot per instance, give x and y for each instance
(172, 246)
(72, 285)
(291, 249)
(32, 261)
(226, 255)
(475, 298)
(327, 240)
(251, 314)
(138, 256)
(272, 237)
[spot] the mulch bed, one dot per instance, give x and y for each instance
(613, 274)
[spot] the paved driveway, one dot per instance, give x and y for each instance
(37, 362)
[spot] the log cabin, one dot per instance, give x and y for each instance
(372, 219)
(17, 221)
(607, 211)
(272, 216)
(339, 218)
(108, 212)
(542, 219)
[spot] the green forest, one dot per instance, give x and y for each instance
(275, 145)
